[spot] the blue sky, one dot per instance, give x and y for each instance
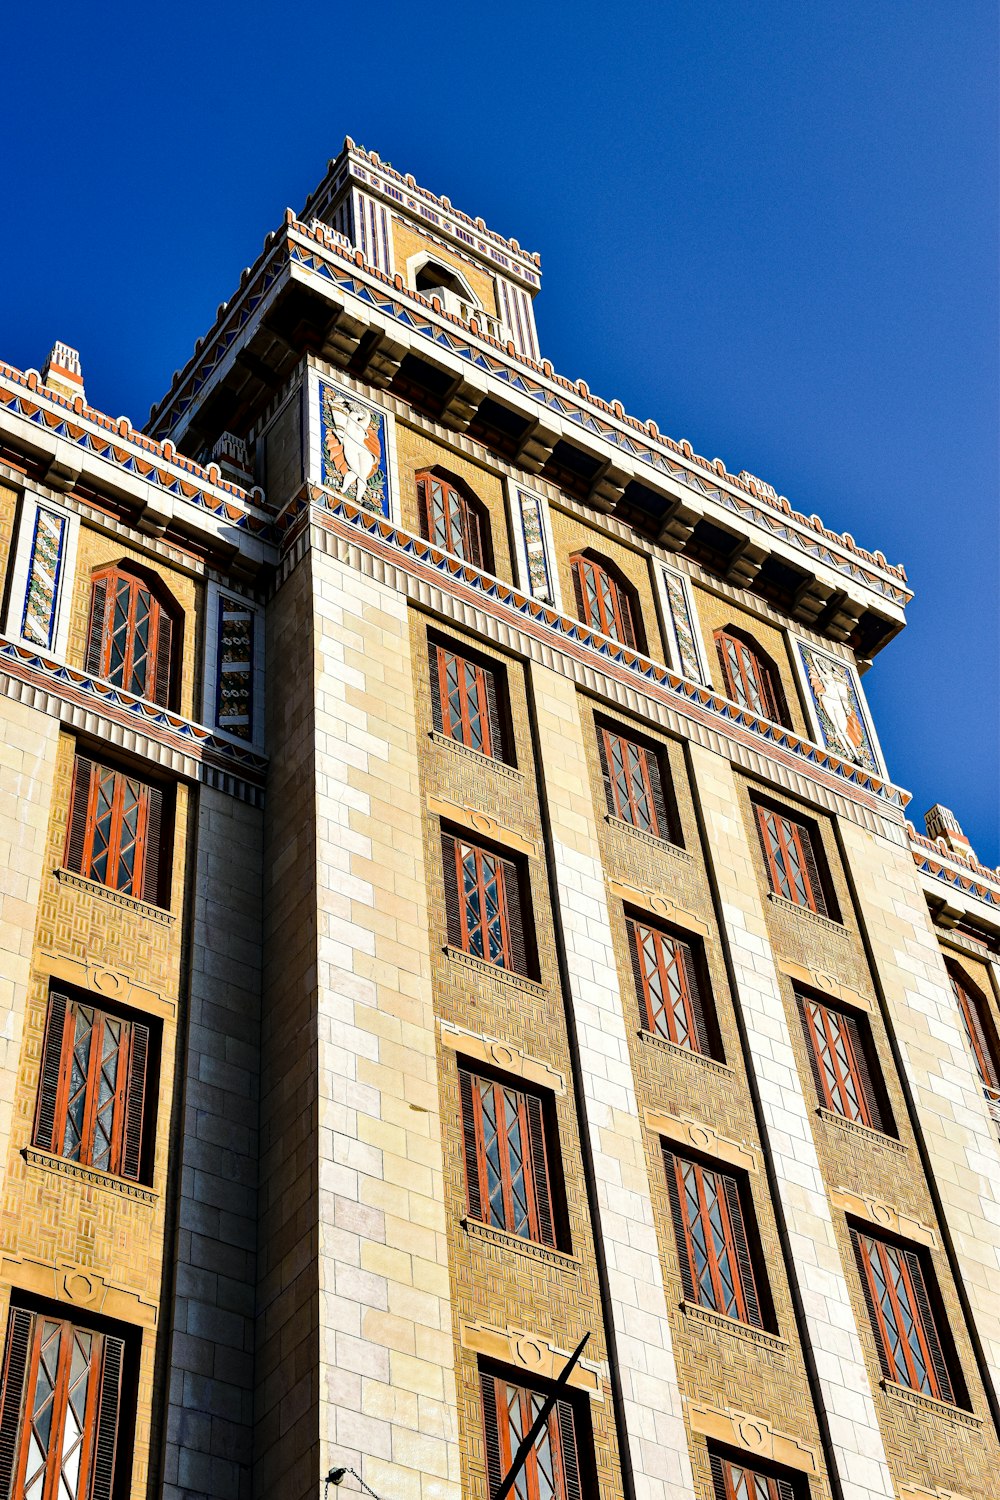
(772, 226)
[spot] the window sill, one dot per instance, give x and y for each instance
(653, 1039)
(504, 976)
(487, 761)
(945, 1409)
(58, 1166)
(877, 1137)
(116, 898)
(807, 911)
(734, 1327)
(651, 839)
(490, 1235)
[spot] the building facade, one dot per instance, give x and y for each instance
(453, 902)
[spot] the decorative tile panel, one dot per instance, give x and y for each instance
(354, 458)
(835, 703)
(234, 694)
(682, 630)
(535, 544)
(44, 577)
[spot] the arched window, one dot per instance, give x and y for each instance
(131, 634)
(453, 520)
(604, 600)
(750, 676)
(974, 1011)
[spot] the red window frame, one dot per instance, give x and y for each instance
(667, 983)
(603, 603)
(92, 1087)
(449, 520)
(506, 1157)
(739, 1482)
(631, 782)
(130, 635)
(114, 829)
(749, 681)
(969, 1003)
(61, 1402)
(907, 1340)
(791, 860)
(484, 924)
(465, 701)
(716, 1270)
(552, 1469)
(839, 1064)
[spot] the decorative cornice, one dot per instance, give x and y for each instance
(157, 464)
(311, 253)
(660, 904)
(117, 898)
(491, 597)
(504, 978)
(884, 1216)
(58, 1166)
(489, 763)
(89, 703)
(664, 846)
(701, 1059)
(733, 1328)
(700, 1136)
(752, 1434)
(854, 1127)
(498, 1054)
(482, 823)
(807, 913)
(960, 872)
(502, 1238)
(943, 1409)
(530, 1351)
(825, 982)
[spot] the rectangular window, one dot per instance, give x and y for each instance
(735, 1481)
(92, 1088)
(506, 1163)
(464, 701)
(115, 830)
(59, 1409)
(839, 1061)
(483, 902)
(633, 785)
(670, 1001)
(972, 1009)
(906, 1335)
(552, 1470)
(716, 1269)
(791, 859)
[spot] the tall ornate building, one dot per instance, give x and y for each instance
(453, 902)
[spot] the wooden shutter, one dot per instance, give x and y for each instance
(570, 1453)
(602, 749)
(539, 1164)
(106, 1436)
(164, 638)
(473, 1186)
(153, 855)
(680, 1229)
(697, 999)
(718, 1477)
(491, 1432)
(434, 654)
(49, 1075)
(473, 534)
(645, 1020)
(812, 868)
(873, 1314)
(19, 1329)
(79, 801)
(498, 748)
(785, 1491)
(865, 1079)
(515, 917)
(735, 1206)
(95, 637)
(625, 610)
(930, 1327)
(451, 892)
(577, 571)
(973, 1014)
(663, 823)
(423, 508)
(135, 1101)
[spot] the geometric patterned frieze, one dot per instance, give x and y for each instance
(532, 1352)
(753, 1435)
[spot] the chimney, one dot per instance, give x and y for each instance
(943, 826)
(62, 372)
